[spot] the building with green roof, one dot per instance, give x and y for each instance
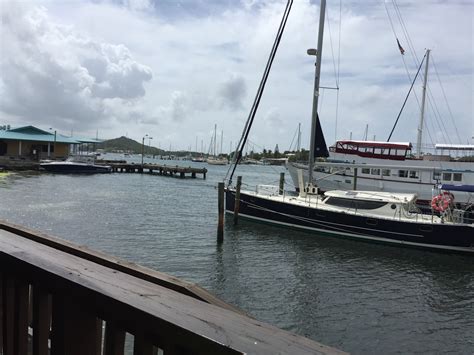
(32, 143)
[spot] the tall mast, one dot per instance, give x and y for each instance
(298, 142)
(222, 142)
(319, 53)
(422, 115)
(215, 129)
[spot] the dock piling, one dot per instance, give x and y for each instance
(220, 207)
(237, 200)
(354, 182)
(282, 183)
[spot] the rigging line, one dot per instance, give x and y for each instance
(260, 87)
(294, 136)
(445, 98)
(405, 32)
(413, 53)
(256, 103)
(431, 102)
(332, 48)
(438, 117)
(266, 71)
(338, 70)
(406, 98)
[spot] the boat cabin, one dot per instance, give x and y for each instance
(373, 149)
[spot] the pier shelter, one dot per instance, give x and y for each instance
(32, 143)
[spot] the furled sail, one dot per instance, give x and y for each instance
(320, 147)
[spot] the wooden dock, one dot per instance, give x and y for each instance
(158, 169)
(62, 299)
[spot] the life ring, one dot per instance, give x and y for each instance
(442, 201)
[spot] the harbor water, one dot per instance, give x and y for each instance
(359, 297)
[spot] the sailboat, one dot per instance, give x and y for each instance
(365, 215)
(215, 159)
(391, 166)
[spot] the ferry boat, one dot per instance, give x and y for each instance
(389, 166)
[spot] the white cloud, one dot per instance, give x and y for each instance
(55, 76)
(90, 64)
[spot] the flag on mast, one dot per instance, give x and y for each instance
(402, 51)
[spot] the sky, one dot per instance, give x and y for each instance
(172, 70)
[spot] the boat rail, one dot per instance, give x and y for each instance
(60, 298)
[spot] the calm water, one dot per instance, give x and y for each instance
(358, 297)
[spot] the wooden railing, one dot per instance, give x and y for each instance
(58, 298)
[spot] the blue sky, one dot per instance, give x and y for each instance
(173, 69)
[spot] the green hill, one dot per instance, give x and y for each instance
(127, 145)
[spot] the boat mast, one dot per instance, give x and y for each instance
(318, 54)
(422, 115)
(298, 142)
(215, 129)
(222, 142)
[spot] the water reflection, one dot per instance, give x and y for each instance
(360, 297)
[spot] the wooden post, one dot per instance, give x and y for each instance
(354, 185)
(220, 207)
(237, 200)
(41, 320)
(282, 183)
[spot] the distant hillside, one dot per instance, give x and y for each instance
(127, 145)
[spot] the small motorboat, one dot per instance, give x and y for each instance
(73, 166)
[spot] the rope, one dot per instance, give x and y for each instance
(445, 99)
(253, 111)
(406, 98)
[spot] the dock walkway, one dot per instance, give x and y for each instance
(167, 170)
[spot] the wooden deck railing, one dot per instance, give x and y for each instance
(58, 298)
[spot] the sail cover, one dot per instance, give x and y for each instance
(464, 188)
(320, 147)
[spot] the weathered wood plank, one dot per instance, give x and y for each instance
(114, 343)
(150, 275)
(41, 320)
(167, 315)
(142, 345)
(73, 327)
(8, 314)
(1, 312)
(21, 317)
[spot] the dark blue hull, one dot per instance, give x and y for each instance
(455, 237)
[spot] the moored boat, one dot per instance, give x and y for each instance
(366, 215)
(380, 217)
(74, 167)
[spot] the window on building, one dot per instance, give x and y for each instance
(457, 177)
(385, 172)
(365, 171)
(413, 174)
(447, 176)
(403, 173)
(375, 172)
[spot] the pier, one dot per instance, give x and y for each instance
(166, 170)
(60, 298)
